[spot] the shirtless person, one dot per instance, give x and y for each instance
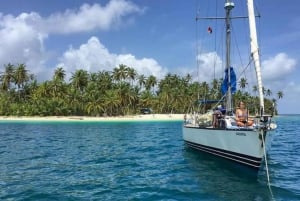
(242, 116)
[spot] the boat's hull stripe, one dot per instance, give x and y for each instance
(240, 158)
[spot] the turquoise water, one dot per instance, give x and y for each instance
(135, 161)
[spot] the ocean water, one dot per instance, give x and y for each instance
(136, 161)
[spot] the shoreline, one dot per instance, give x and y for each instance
(129, 118)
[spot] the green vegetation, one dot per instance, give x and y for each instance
(120, 92)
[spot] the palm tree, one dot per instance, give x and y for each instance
(58, 84)
(203, 91)
(73, 100)
(120, 73)
(280, 94)
(188, 78)
(191, 96)
(268, 92)
(111, 101)
(21, 76)
(142, 80)
(105, 92)
(125, 97)
(215, 90)
(59, 74)
(79, 79)
(104, 81)
(146, 99)
(150, 82)
(7, 77)
(165, 99)
(131, 73)
(243, 83)
(79, 82)
(94, 107)
(42, 90)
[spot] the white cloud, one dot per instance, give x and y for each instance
(91, 17)
(94, 56)
(19, 42)
(276, 68)
(208, 64)
(22, 37)
(91, 56)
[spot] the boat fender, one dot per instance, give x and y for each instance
(272, 126)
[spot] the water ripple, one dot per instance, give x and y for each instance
(133, 161)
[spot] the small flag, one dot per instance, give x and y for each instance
(209, 30)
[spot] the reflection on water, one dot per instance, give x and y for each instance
(225, 179)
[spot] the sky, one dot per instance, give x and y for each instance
(155, 37)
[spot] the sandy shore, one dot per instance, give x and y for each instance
(148, 117)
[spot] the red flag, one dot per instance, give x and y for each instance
(209, 30)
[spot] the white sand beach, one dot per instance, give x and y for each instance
(147, 117)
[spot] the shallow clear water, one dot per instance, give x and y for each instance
(135, 161)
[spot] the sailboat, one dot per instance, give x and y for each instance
(245, 145)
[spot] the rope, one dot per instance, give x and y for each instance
(267, 169)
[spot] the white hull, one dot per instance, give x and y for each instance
(244, 146)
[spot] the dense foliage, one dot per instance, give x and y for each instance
(120, 92)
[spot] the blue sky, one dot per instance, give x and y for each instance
(153, 36)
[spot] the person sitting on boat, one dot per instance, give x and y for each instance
(242, 116)
(217, 116)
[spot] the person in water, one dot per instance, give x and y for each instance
(242, 116)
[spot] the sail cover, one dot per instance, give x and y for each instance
(226, 83)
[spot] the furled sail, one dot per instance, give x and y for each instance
(229, 82)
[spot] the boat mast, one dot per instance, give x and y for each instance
(255, 52)
(228, 7)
